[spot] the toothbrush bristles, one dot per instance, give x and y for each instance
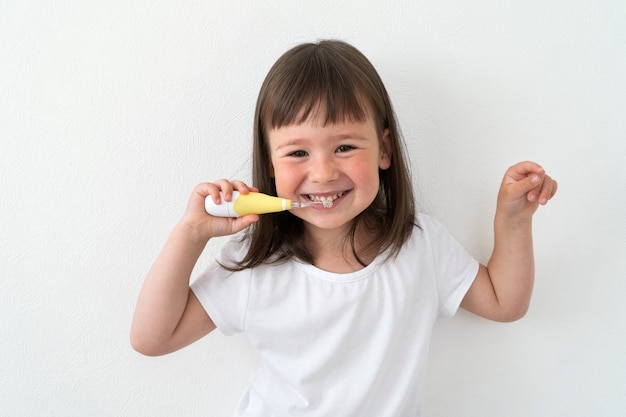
(301, 204)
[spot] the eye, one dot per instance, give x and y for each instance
(344, 148)
(298, 154)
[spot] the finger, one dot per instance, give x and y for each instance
(548, 190)
(245, 221)
(239, 223)
(206, 189)
(242, 187)
(225, 190)
(522, 170)
(526, 186)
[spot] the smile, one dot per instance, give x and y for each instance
(326, 200)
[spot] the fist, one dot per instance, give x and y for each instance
(524, 187)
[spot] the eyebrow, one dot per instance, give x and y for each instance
(343, 136)
(291, 142)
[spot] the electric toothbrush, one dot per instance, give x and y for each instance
(253, 203)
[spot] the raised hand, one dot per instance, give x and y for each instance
(524, 187)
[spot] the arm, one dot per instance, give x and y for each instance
(168, 316)
(502, 289)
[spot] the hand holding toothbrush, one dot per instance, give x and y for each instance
(206, 226)
(168, 315)
(235, 200)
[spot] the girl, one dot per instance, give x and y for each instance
(340, 299)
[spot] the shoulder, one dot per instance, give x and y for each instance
(435, 238)
(429, 228)
(424, 229)
(427, 222)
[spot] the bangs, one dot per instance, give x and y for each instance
(316, 84)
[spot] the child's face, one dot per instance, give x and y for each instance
(338, 161)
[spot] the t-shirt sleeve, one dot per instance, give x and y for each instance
(224, 294)
(455, 268)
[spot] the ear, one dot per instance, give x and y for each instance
(385, 151)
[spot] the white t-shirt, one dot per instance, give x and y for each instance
(338, 345)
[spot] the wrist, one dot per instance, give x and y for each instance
(513, 222)
(191, 231)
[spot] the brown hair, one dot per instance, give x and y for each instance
(334, 77)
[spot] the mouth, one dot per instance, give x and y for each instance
(327, 200)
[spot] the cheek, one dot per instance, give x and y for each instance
(286, 177)
(365, 170)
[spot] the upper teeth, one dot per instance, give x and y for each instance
(327, 201)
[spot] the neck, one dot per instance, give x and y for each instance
(332, 250)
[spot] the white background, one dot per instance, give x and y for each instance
(110, 113)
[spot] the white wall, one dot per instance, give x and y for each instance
(110, 112)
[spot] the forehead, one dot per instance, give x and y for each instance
(316, 130)
(323, 114)
(319, 110)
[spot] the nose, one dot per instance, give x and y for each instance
(323, 171)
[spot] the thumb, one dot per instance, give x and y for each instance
(523, 186)
(242, 222)
(531, 182)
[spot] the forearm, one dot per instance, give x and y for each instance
(165, 291)
(502, 290)
(511, 267)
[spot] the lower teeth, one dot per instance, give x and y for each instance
(327, 203)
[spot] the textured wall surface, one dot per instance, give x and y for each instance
(110, 113)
